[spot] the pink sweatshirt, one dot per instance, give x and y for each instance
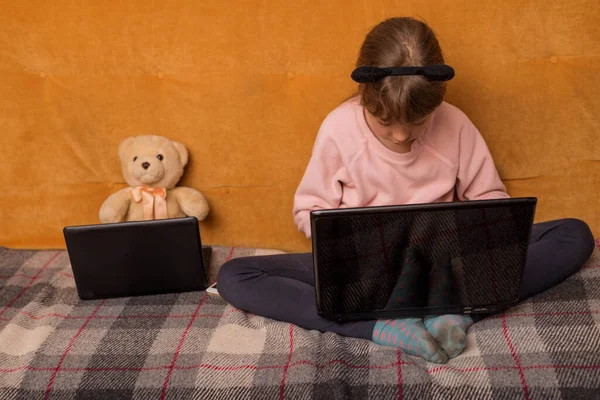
(350, 167)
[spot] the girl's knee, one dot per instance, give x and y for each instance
(229, 278)
(580, 237)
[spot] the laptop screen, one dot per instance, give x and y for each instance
(466, 256)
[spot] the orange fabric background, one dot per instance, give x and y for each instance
(246, 84)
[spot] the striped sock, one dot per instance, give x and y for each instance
(449, 331)
(410, 336)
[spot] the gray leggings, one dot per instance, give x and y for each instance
(282, 287)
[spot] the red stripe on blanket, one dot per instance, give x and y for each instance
(68, 349)
(230, 368)
(10, 303)
(287, 365)
(179, 346)
(515, 357)
(230, 254)
(399, 370)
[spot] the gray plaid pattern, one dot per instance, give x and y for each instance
(54, 346)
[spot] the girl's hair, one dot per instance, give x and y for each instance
(401, 42)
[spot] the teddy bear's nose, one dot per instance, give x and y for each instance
(145, 165)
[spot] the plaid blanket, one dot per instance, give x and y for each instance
(54, 346)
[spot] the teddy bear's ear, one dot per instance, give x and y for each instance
(124, 146)
(183, 153)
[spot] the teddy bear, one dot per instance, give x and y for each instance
(152, 166)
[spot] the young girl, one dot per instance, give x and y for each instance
(397, 142)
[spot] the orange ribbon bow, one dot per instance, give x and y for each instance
(155, 206)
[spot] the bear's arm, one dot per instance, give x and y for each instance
(115, 208)
(191, 202)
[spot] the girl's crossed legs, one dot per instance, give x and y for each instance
(281, 287)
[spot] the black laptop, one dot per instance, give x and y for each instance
(137, 258)
(398, 261)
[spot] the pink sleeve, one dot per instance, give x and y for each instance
(478, 178)
(321, 186)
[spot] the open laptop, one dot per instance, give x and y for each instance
(137, 258)
(398, 261)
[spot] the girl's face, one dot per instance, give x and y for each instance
(397, 137)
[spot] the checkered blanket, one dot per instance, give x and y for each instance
(54, 346)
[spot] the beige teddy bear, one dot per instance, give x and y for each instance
(152, 166)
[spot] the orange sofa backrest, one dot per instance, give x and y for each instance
(245, 85)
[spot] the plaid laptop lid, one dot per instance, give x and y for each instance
(433, 257)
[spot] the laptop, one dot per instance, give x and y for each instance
(424, 259)
(137, 258)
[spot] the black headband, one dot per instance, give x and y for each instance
(436, 72)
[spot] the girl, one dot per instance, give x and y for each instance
(397, 142)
